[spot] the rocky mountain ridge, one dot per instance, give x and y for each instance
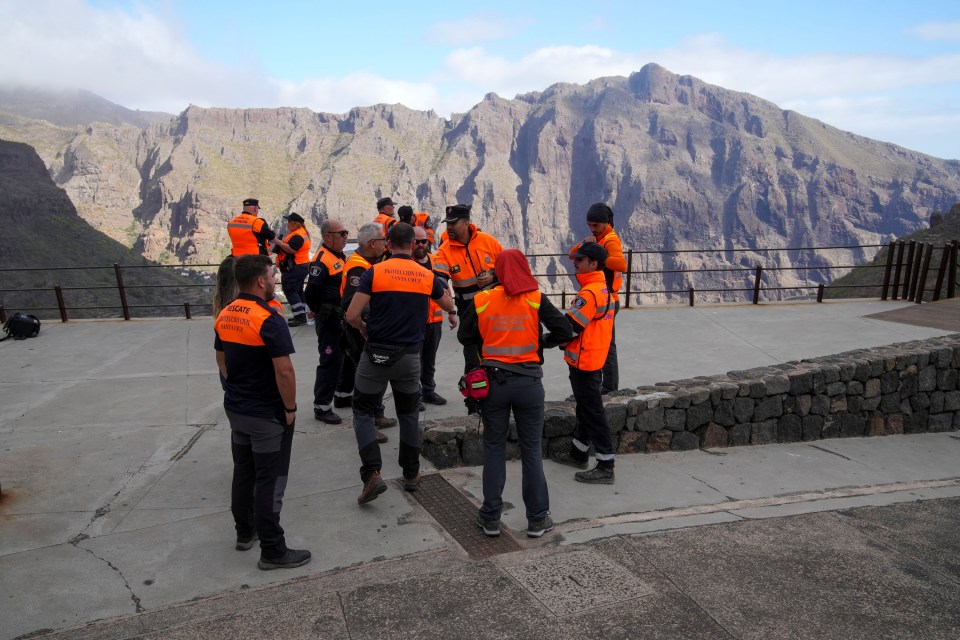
(684, 164)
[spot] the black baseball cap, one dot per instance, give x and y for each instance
(251, 202)
(456, 212)
(382, 202)
(295, 217)
(591, 251)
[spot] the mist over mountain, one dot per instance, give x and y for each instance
(684, 164)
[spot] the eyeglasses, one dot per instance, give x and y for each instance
(342, 234)
(422, 241)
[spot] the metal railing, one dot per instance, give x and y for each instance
(905, 277)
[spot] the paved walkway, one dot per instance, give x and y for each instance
(115, 472)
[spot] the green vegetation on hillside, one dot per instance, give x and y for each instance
(867, 281)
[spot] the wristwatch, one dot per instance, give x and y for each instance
(289, 410)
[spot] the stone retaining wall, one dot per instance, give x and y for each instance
(909, 387)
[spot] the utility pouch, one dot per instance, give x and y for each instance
(385, 355)
(474, 384)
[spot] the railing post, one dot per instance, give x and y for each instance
(915, 273)
(896, 276)
(756, 285)
(186, 310)
(629, 277)
(123, 292)
(691, 296)
(952, 271)
(908, 271)
(886, 271)
(941, 271)
(923, 273)
(563, 299)
(3, 314)
(60, 304)
(820, 292)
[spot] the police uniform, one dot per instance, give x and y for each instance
(512, 355)
(333, 380)
(399, 290)
(250, 334)
(462, 264)
(591, 318)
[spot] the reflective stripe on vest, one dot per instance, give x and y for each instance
(588, 350)
(509, 325)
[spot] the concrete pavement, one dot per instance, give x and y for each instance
(115, 470)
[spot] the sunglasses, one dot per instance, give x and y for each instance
(422, 241)
(342, 234)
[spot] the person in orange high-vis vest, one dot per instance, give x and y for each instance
(396, 291)
(431, 340)
(508, 320)
(253, 348)
(385, 217)
(294, 263)
(600, 222)
(591, 319)
(419, 219)
(467, 258)
(248, 233)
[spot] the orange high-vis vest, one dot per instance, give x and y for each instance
(402, 275)
(510, 325)
(592, 310)
(241, 230)
(302, 256)
(434, 313)
(420, 219)
(276, 304)
(240, 322)
(386, 222)
(463, 263)
(335, 266)
(354, 261)
(615, 264)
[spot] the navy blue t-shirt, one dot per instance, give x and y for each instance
(397, 316)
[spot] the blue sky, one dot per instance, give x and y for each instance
(883, 69)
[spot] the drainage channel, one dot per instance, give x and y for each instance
(457, 515)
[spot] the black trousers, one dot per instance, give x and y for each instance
(261, 461)
(611, 369)
(334, 371)
(592, 427)
(471, 350)
(428, 357)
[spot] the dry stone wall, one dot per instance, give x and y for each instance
(911, 387)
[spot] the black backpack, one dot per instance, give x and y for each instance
(21, 326)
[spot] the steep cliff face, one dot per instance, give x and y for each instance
(683, 163)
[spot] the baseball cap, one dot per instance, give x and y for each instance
(382, 202)
(456, 212)
(251, 202)
(295, 217)
(591, 251)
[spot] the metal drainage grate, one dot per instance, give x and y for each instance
(458, 516)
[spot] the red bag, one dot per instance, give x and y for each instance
(475, 384)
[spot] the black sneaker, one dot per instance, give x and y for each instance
(383, 422)
(597, 475)
(490, 527)
(327, 416)
(564, 457)
(342, 402)
(432, 397)
(245, 543)
(289, 560)
(536, 528)
(372, 488)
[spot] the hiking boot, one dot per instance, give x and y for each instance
(383, 422)
(490, 527)
(327, 416)
(342, 402)
(432, 397)
(245, 543)
(565, 457)
(597, 475)
(296, 322)
(411, 484)
(372, 488)
(381, 436)
(289, 560)
(536, 528)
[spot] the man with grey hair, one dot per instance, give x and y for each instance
(333, 386)
(371, 246)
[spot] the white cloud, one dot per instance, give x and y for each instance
(478, 27)
(937, 31)
(339, 95)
